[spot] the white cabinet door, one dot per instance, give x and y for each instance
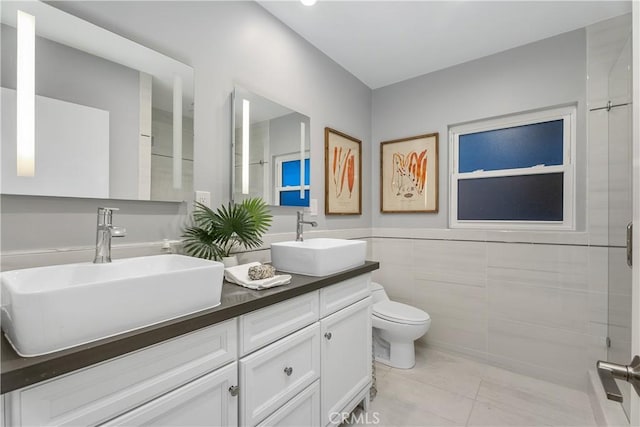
(206, 401)
(345, 358)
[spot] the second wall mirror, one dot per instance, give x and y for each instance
(270, 155)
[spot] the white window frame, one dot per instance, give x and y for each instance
(278, 188)
(568, 114)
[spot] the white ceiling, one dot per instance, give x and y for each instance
(384, 42)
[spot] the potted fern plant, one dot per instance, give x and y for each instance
(213, 234)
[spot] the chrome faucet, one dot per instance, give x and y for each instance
(104, 232)
(299, 224)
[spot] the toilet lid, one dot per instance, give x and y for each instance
(398, 312)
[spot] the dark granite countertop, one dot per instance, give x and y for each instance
(18, 372)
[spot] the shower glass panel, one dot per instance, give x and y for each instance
(620, 214)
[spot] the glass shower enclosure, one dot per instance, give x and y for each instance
(620, 213)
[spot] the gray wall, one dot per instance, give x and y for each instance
(231, 43)
(546, 73)
(74, 76)
(227, 43)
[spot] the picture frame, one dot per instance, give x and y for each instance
(342, 173)
(409, 174)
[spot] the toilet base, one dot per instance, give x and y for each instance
(400, 355)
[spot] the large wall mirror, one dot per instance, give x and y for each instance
(270, 151)
(104, 118)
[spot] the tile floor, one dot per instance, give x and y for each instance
(448, 390)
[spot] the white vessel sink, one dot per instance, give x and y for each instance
(47, 309)
(318, 257)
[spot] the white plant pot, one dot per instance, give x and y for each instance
(230, 261)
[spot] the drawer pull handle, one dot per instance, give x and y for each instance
(288, 371)
(234, 390)
(328, 335)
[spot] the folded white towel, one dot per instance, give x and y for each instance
(239, 275)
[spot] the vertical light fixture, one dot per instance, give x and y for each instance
(246, 124)
(177, 132)
(303, 136)
(26, 94)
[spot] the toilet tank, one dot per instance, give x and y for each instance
(378, 293)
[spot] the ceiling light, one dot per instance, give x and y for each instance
(308, 2)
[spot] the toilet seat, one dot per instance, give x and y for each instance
(400, 313)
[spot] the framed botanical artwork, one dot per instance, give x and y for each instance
(409, 174)
(342, 173)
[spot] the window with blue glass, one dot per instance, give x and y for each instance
(514, 172)
(289, 189)
(291, 173)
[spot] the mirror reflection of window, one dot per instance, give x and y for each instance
(288, 181)
(277, 136)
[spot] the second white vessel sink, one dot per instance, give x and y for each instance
(318, 257)
(47, 309)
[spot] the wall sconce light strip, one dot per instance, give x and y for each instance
(246, 124)
(26, 94)
(303, 135)
(177, 132)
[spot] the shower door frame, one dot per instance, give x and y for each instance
(635, 311)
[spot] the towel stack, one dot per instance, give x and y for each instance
(241, 275)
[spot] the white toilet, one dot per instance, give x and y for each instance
(395, 327)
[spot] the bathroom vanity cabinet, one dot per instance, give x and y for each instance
(333, 347)
(302, 361)
(102, 392)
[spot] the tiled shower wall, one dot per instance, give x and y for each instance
(539, 309)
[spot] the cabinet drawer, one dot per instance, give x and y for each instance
(203, 402)
(275, 374)
(101, 392)
(339, 296)
(269, 324)
(302, 410)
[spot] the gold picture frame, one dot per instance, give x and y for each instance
(409, 174)
(342, 173)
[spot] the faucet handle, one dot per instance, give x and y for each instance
(104, 215)
(106, 209)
